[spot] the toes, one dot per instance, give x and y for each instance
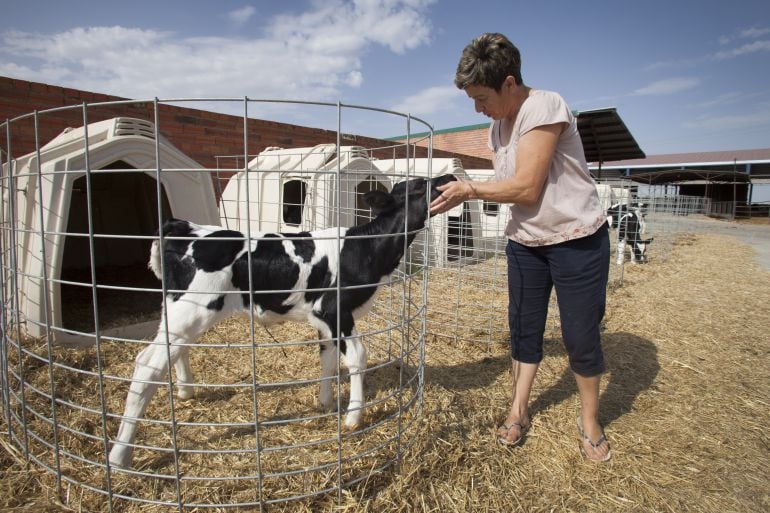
(503, 432)
(510, 434)
(599, 452)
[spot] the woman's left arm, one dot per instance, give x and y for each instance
(534, 153)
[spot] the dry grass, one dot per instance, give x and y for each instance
(684, 402)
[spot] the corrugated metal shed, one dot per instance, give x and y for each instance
(733, 165)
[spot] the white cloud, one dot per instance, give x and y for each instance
(722, 100)
(429, 101)
(668, 86)
(354, 79)
(240, 17)
(748, 33)
(754, 32)
(676, 63)
(754, 47)
(337, 25)
(308, 56)
(732, 122)
(738, 51)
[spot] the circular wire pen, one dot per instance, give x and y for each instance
(82, 209)
(80, 214)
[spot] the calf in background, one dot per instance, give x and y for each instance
(629, 221)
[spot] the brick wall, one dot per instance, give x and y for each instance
(199, 134)
(471, 141)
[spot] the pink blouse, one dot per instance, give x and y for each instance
(568, 207)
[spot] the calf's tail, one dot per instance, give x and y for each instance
(171, 227)
(154, 263)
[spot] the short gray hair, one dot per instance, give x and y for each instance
(487, 61)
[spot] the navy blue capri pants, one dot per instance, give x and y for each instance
(578, 269)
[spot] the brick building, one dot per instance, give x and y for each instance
(467, 140)
(200, 134)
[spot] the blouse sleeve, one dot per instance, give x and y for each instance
(543, 109)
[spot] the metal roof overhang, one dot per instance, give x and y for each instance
(605, 136)
(681, 175)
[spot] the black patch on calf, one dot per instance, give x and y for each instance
(215, 255)
(179, 270)
(177, 228)
(320, 278)
(322, 346)
(304, 247)
(271, 269)
(217, 304)
(179, 273)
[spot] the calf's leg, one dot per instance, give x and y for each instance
(184, 375)
(354, 356)
(355, 360)
(151, 367)
(620, 252)
(328, 355)
(186, 321)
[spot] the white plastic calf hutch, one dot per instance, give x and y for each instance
(121, 157)
(494, 217)
(612, 195)
(293, 190)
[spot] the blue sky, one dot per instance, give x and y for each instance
(687, 75)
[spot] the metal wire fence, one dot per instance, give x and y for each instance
(78, 216)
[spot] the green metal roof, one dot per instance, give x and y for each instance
(442, 131)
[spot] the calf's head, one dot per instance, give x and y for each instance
(410, 197)
(639, 248)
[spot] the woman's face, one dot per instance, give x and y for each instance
(489, 102)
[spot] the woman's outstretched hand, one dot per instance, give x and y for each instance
(452, 194)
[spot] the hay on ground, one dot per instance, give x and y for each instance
(684, 402)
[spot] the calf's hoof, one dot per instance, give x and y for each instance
(185, 392)
(120, 457)
(352, 422)
(327, 407)
(350, 428)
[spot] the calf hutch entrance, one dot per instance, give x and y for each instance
(107, 188)
(79, 215)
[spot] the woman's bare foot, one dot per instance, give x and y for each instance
(513, 430)
(596, 447)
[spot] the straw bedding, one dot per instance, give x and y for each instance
(684, 402)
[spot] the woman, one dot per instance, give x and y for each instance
(557, 230)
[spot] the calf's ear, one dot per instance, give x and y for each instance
(444, 179)
(378, 201)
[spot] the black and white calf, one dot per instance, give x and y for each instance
(629, 221)
(293, 277)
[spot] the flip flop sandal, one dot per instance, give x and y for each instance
(595, 445)
(523, 428)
